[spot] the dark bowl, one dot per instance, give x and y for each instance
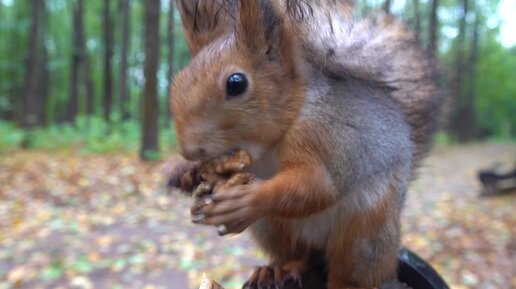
(413, 273)
(417, 273)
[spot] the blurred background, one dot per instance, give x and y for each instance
(85, 134)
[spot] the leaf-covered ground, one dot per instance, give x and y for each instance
(69, 220)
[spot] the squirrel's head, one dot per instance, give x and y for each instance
(242, 89)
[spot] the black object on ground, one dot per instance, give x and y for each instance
(417, 273)
(497, 183)
(413, 273)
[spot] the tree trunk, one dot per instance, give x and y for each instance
(73, 101)
(387, 6)
(9, 113)
(44, 82)
(108, 55)
(90, 96)
(364, 7)
(81, 76)
(124, 87)
(171, 52)
(461, 38)
(4, 112)
(474, 55)
(86, 70)
(16, 88)
(461, 122)
(150, 118)
(434, 30)
(29, 112)
(468, 116)
(417, 14)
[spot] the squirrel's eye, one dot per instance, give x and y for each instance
(236, 85)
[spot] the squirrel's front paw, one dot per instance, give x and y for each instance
(182, 174)
(231, 208)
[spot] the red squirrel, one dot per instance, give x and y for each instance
(336, 113)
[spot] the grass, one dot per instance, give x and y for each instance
(94, 135)
(444, 139)
(89, 135)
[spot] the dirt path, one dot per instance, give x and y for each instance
(83, 221)
(470, 240)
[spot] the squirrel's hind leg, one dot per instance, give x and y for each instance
(289, 258)
(275, 276)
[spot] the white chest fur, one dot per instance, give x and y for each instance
(315, 230)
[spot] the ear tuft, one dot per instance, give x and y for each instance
(260, 26)
(205, 20)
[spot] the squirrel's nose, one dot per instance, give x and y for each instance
(194, 153)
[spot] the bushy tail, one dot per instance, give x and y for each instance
(379, 50)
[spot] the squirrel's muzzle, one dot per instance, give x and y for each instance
(193, 153)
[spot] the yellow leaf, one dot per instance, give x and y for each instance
(94, 256)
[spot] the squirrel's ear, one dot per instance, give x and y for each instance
(260, 26)
(204, 21)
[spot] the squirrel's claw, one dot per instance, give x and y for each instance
(272, 277)
(234, 207)
(262, 278)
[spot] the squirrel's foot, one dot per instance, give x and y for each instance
(273, 277)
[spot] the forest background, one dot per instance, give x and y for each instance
(84, 98)
(73, 72)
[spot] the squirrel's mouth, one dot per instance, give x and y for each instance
(203, 154)
(207, 152)
(232, 150)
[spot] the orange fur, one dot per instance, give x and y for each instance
(302, 186)
(329, 101)
(204, 21)
(358, 227)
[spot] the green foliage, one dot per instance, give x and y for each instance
(10, 136)
(53, 272)
(90, 135)
(496, 89)
(59, 31)
(442, 138)
(151, 155)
